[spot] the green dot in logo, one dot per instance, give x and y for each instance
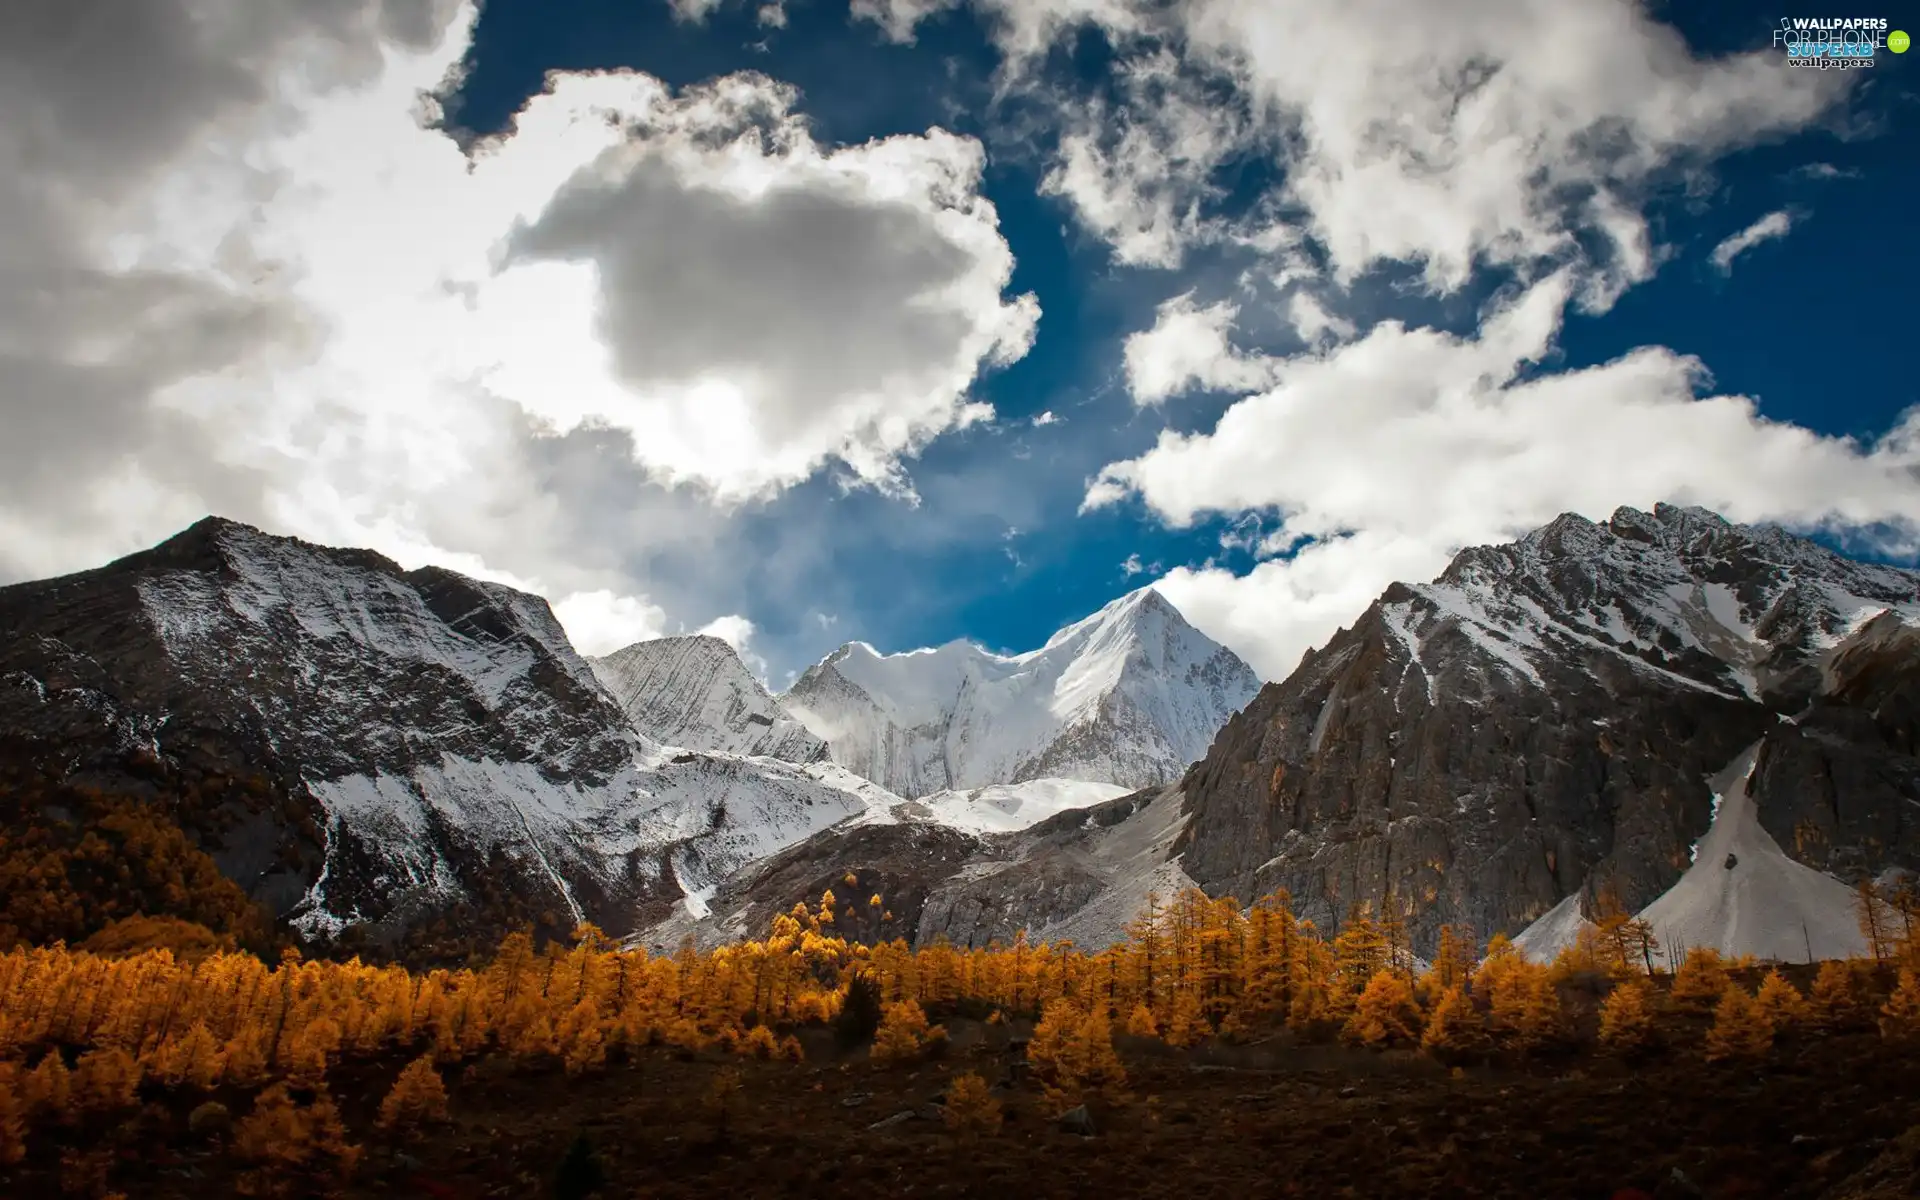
(1898, 41)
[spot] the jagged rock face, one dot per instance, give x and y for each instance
(1129, 697)
(1839, 785)
(695, 692)
(1540, 719)
(434, 741)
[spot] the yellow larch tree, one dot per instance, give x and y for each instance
(1701, 980)
(902, 1034)
(13, 1118)
(971, 1107)
(418, 1097)
(1781, 1005)
(1832, 1001)
(1900, 1015)
(1626, 1017)
(1740, 1030)
(1453, 1028)
(1385, 1013)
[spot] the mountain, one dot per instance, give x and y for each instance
(1542, 721)
(1128, 696)
(360, 746)
(695, 692)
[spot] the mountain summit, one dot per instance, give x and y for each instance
(694, 691)
(1543, 719)
(1129, 696)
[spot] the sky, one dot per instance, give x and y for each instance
(914, 320)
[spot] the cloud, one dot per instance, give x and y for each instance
(757, 306)
(898, 19)
(1188, 347)
(693, 12)
(1042, 420)
(600, 622)
(245, 274)
(1382, 457)
(1139, 175)
(1773, 225)
(1313, 322)
(1521, 136)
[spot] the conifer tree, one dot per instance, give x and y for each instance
(1781, 1005)
(1832, 1003)
(49, 1089)
(418, 1096)
(105, 1080)
(1871, 912)
(1701, 980)
(971, 1108)
(1626, 1018)
(13, 1120)
(1739, 1030)
(1186, 1025)
(903, 1031)
(1454, 1028)
(1452, 961)
(1385, 1012)
(1140, 1022)
(1525, 1005)
(1900, 1015)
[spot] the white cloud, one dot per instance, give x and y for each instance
(1132, 566)
(1389, 453)
(1519, 135)
(772, 16)
(1138, 175)
(897, 19)
(600, 622)
(1188, 347)
(301, 307)
(1312, 321)
(1042, 420)
(692, 11)
(1773, 225)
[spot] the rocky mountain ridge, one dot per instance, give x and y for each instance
(693, 691)
(436, 750)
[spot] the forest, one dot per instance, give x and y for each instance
(158, 1055)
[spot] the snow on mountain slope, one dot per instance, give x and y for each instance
(1742, 895)
(1682, 593)
(1006, 807)
(1128, 696)
(695, 692)
(434, 738)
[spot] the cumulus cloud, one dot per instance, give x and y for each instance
(1524, 136)
(600, 622)
(1773, 225)
(244, 274)
(1140, 175)
(1188, 347)
(1382, 457)
(1313, 322)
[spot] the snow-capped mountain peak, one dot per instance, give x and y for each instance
(1128, 696)
(1742, 610)
(693, 691)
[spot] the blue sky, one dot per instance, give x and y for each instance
(684, 315)
(1811, 325)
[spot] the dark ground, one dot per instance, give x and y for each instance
(1267, 1119)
